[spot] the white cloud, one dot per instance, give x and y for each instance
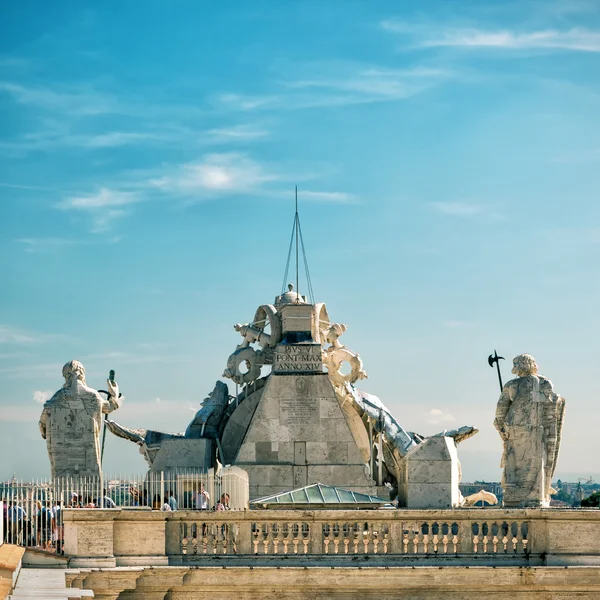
(103, 198)
(575, 39)
(79, 101)
(103, 207)
(237, 133)
(437, 416)
(40, 396)
(457, 209)
(14, 335)
(339, 83)
(334, 197)
(453, 324)
(214, 174)
(45, 245)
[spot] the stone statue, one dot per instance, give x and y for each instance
(72, 421)
(205, 425)
(529, 418)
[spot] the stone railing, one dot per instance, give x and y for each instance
(95, 538)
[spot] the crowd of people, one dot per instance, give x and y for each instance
(43, 528)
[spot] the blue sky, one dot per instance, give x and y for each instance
(447, 159)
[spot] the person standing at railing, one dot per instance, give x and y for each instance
(201, 498)
(223, 504)
(173, 501)
(58, 533)
(16, 520)
(106, 501)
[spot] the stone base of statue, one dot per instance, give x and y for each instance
(298, 434)
(431, 475)
(183, 453)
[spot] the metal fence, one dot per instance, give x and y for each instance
(32, 513)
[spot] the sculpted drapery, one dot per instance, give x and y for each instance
(529, 418)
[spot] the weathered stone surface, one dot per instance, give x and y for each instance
(298, 435)
(529, 418)
(432, 474)
(182, 453)
(72, 422)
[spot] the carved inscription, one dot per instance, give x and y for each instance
(298, 411)
(294, 359)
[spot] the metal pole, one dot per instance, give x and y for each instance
(296, 218)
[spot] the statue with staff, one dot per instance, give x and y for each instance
(72, 422)
(529, 419)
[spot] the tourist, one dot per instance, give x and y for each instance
(156, 504)
(16, 518)
(89, 503)
(74, 501)
(201, 498)
(45, 525)
(223, 504)
(58, 533)
(106, 501)
(173, 501)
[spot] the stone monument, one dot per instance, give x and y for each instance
(192, 449)
(529, 419)
(72, 421)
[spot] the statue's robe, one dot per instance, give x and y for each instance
(529, 416)
(71, 423)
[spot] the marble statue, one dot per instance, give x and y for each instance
(529, 418)
(205, 426)
(72, 421)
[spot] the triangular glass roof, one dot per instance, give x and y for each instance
(319, 493)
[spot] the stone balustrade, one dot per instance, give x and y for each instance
(137, 537)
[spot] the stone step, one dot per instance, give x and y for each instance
(36, 584)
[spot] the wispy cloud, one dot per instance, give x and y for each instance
(437, 416)
(45, 245)
(334, 197)
(327, 84)
(575, 39)
(14, 335)
(75, 102)
(216, 174)
(103, 207)
(40, 396)
(467, 210)
(455, 324)
(237, 133)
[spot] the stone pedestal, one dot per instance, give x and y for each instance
(298, 434)
(181, 453)
(432, 474)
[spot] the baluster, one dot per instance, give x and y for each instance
(505, 531)
(266, 534)
(305, 536)
(445, 540)
(336, 529)
(424, 530)
(485, 537)
(475, 532)
(286, 537)
(255, 533)
(525, 537)
(514, 529)
(495, 540)
(274, 531)
(366, 532)
(385, 531)
(326, 533)
(405, 537)
(184, 540)
(346, 533)
(194, 538)
(295, 536)
(435, 540)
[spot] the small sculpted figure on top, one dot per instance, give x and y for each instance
(529, 418)
(72, 421)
